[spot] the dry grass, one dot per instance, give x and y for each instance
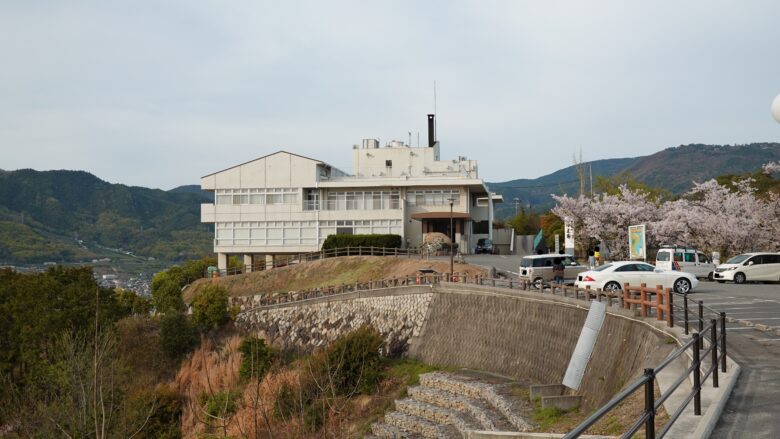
(327, 272)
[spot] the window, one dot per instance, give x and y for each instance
(772, 259)
(678, 256)
(703, 258)
(389, 163)
(644, 267)
(257, 196)
(690, 257)
(627, 267)
(359, 200)
(433, 197)
(479, 227)
(662, 256)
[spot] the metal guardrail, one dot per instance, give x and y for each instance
(656, 301)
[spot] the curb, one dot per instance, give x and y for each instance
(712, 415)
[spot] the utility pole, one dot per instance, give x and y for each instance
(517, 205)
(452, 242)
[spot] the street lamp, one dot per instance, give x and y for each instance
(517, 204)
(452, 241)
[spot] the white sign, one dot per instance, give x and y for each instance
(568, 232)
(584, 349)
(557, 243)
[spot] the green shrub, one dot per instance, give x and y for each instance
(256, 358)
(210, 308)
(341, 241)
(177, 335)
(220, 404)
(352, 361)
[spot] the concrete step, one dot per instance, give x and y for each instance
(387, 431)
(436, 414)
(421, 426)
(487, 417)
(471, 388)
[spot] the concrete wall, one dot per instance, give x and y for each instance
(517, 334)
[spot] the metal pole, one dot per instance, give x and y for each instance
(723, 342)
(696, 376)
(650, 403)
(452, 242)
(685, 306)
(714, 337)
(701, 316)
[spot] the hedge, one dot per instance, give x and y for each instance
(341, 241)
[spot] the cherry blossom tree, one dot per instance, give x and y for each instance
(712, 217)
(771, 168)
(606, 217)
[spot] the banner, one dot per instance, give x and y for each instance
(637, 248)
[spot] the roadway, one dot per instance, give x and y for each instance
(752, 409)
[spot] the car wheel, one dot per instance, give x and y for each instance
(539, 283)
(682, 285)
(709, 277)
(739, 278)
(612, 287)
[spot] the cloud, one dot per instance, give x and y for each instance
(159, 93)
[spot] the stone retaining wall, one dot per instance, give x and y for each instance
(518, 334)
(398, 316)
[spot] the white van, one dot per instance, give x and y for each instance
(750, 267)
(685, 259)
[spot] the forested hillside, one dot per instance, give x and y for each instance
(673, 169)
(43, 215)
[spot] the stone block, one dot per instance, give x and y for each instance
(564, 403)
(547, 390)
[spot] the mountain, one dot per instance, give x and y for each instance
(674, 169)
(208, 197)
(59, 215)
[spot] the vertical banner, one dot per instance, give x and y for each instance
(637, 247)
(557, 243)
(568, 236)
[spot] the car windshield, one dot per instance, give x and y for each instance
(737, 259)
(526, 262)
(602, 267)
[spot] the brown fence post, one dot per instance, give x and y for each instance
(670, 307)
(659, 302)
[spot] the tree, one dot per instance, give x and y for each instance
(210, 308)
(525, 223)
(177, 335)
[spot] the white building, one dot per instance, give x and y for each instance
(284, 203)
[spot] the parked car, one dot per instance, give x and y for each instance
(685, 259)
(612, 276)
(485, 245)
(538, 268)
(750, 267)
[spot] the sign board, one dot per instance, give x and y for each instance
(584, 348)
(557, 243)
(637, 247)
(568, 235)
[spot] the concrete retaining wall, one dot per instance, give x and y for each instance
(513, 333)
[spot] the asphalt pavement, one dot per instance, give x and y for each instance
(753, 342)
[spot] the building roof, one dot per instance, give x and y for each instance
(274, 153)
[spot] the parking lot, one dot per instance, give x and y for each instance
(756, 303)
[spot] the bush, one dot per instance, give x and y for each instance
(166, 294)
(210, 308)
(341, 241)
(353, 362)
(177, 335)
(220, 404)
(256, 358)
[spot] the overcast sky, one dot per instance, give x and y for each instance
(160, 93)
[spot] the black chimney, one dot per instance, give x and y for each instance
(431, 129)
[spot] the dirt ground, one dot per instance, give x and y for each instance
(326, 272)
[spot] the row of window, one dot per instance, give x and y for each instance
(352, 200)
(257, 196)
(281, 233)
(440, 197)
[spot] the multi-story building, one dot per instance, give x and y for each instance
(284, 203)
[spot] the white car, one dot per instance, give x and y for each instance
(750, 267)
(612, 276)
